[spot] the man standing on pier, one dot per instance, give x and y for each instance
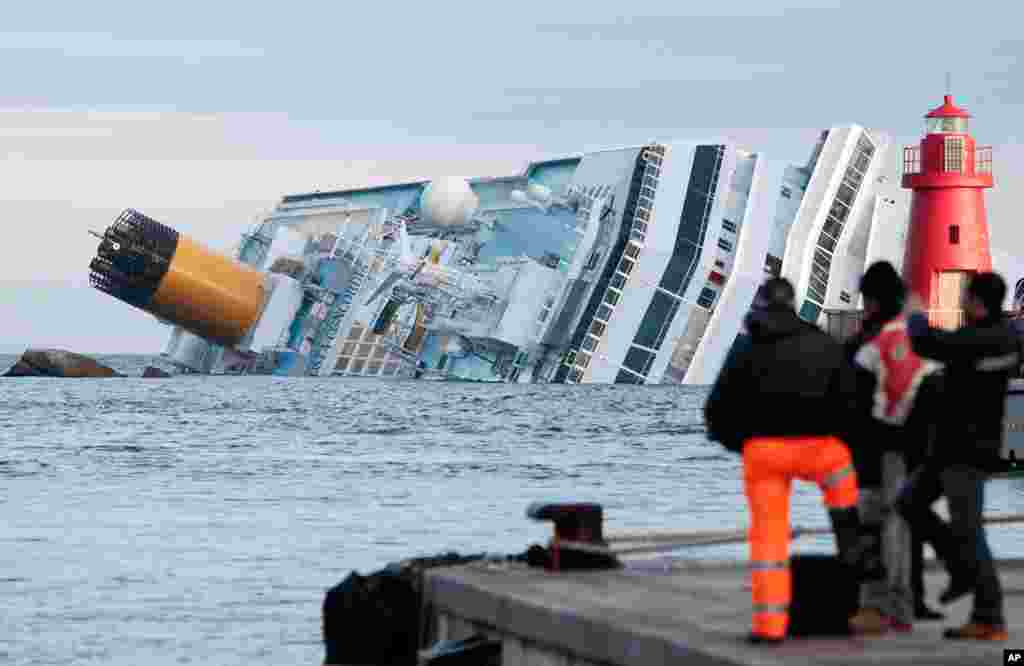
(979, 359)
(890, 378)
(780, 401)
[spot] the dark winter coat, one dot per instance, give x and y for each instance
(979, 360)
(790, 379)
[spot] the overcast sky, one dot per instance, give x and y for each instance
(203, 115)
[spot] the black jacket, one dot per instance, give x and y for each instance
(979, 361)
(791, 379)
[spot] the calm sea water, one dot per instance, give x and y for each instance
(200, 520)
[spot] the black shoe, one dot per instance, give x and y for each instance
(759, 639)
(926, 614)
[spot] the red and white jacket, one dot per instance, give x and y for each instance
(899, 371)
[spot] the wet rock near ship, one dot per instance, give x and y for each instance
(58, 363)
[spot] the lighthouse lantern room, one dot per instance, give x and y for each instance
(948, 239)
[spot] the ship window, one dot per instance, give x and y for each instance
(844, 296)
(853, 178)
(582, 360)
(618, 281)
(719, 263)
(637, 236)
(822, 257)
(706, 298)
(638, 360)
(954, 234)
(832, 228)
(647, 192)
(846, 194)
(954, 154)
(725, 245)
(864, 144)
(643, 214)
(632, 251)
(786, 192)
(604, 313)
(819, 271)
(839, 211)
(597, 329)
(818, 288)
(611, 297)
(729, 225)
(640, 226)
(590, 343)
(827, 242)
(810, 312)
(626, 266)
(649, 181)
(862, 162)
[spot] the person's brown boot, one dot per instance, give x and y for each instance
(868, 621)
(978, 632)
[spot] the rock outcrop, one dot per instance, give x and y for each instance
(58, 363)
(153, 372)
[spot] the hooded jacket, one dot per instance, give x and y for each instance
(790, 379)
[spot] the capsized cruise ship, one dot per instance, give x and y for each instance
(628, 265)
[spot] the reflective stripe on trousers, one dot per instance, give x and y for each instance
(769, 466)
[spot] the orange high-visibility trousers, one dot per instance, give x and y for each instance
(769, 466)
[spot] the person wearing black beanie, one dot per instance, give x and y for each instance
(889, 378)
(979, 359)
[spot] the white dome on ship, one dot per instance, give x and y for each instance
(448, 202)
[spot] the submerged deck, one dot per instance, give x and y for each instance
(671, 612)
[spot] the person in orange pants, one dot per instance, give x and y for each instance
(783, 398)
(769, 466)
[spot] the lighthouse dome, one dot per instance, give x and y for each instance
(947, 119)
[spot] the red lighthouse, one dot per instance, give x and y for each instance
(947, 240)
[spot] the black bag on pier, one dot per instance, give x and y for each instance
(826, 593)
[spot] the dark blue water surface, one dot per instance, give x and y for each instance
(200, 520)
